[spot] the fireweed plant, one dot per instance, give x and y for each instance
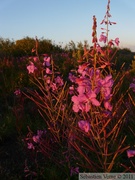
(83, 119)
(98, 139)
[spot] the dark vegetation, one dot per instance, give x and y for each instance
(17, 114)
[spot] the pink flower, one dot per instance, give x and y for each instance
(48, 71)
(72, 77)
(82, 69)
(130, 153)
(35, 59)
(81, 88)
(81, 102)
(74, 171)
(83, 85)
(59, 81)
(103, 38)
(106, 86)
(31, 68)
(84, 125)
(71, 89)
(113, 22)
(47, 79)
(91, 74)
(107, 105)
(111, 43)
(36, 138)
(47, 61)
(53, 86)
(17, 92)
(30, 146)
(99, 49)
(92, 97)
(117, 41)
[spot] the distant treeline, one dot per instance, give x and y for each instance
(24, 47)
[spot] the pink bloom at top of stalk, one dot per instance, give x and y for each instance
(31, 68)
(110, 43)
(99, 49)
(84, 125)
(117, 41)
(130, 153)
(103, 38)
(102, 21)
(113, 23)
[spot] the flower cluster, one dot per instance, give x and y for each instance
(103, 38)
(45, 67)
(55, 84)
(31, 68)
(107, 22)
(35, 139)
(17, 92)
(88, 86)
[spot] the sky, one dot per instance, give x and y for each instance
(64, 20)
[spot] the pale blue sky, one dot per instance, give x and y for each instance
(66, 20)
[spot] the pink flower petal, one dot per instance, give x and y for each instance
(130, 153)
(95, 102)
(84, 125)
